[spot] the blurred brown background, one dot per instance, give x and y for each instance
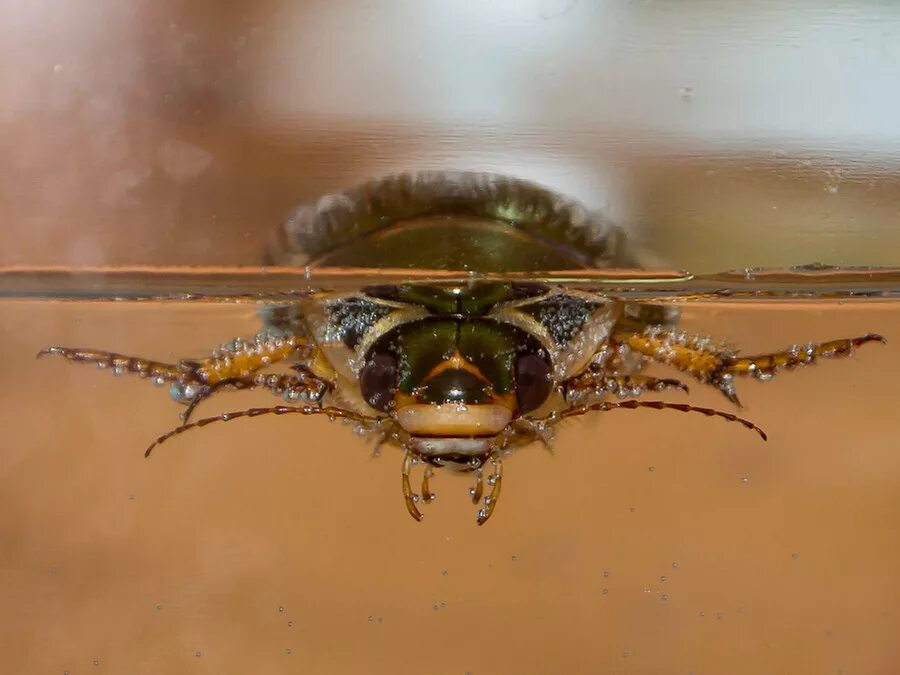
(732, 556)
(725, 134)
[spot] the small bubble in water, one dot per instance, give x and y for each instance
(632, 509)
(371, 618)
(96, 662)
(686, 93)
(280, 609)
(651, 468)
(131, 496)
(444, 573)
(719, 615)
(606, 573)
(647, 589)
(625, 653)
(793, 556)
(198, 654)
(513, 557)
(288, 651)
(290, 624)
(158, 606)
(664, 596)
(745, 479)
(675, 565)
(702, 614)
(605, 591)
(663, 578)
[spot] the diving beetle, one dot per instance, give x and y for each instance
(458, 373)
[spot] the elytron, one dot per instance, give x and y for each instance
(458, 373)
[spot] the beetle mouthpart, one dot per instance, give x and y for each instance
(494, 480)
(453, 419)
(487, 502)
(452, 450)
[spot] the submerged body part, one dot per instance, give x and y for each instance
(458, 373)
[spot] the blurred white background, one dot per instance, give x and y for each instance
(724, 134)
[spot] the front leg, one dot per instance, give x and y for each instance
(233, 365)
(716, 365)
(597, 383)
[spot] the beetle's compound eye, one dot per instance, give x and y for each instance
(533, 381)
(378, 381)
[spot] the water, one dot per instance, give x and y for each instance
(281, 545)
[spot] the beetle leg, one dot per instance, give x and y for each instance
(717, 365)
(494, 480)
(303, 387)
(597, 383)
(118, 363)
(233, 364)
(409, 496)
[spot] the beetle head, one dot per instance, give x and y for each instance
(454, 384)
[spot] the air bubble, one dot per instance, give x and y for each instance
(664, 597)
(663, 579)
(675, 565)
(288, 651)
(606, 573)
(745, 479)
(651, 468)
(198, 654)
(280, 609)
(605, 591)
(183, 393)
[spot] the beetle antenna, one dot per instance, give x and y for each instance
(331, 412)
(554, 418)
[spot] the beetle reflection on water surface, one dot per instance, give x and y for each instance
(458, 373)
